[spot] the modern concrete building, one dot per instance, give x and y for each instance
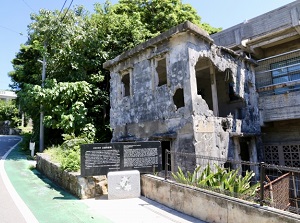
(189, 93)
(7, 95)
(273, 40)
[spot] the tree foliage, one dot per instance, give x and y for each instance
(10, 112)
(75, 44)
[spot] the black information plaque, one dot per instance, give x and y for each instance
(101, 158)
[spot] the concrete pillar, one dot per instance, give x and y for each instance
(214, 92)
(237, 152)
(253, 156)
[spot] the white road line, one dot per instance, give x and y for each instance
(25, 211)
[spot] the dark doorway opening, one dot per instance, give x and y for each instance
(166, 145)
(245, 155)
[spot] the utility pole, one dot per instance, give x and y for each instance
(41, 148)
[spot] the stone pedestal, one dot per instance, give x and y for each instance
(124, 184)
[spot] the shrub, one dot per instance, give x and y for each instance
(68, 154)
(10, 112)
(71, 161)
(222, 179)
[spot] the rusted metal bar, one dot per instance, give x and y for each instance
(262, 174)
(166, 163)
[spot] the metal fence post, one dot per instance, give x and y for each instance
(166, 163)
(262, 174)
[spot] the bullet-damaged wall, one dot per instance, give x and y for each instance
(180, 87)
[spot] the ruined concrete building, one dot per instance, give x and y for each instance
(189, 93)
(273, 39)
(235, 94)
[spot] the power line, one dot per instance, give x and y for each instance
(28, 6)
(66, 11)
(62, 7)
(14, 31)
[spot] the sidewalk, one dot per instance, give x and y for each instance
(50, 204)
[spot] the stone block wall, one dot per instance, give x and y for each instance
(81, 187)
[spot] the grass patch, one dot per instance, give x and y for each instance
(55, 153)
(31, 167)
(69, 159)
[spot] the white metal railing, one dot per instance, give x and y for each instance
(285, 78)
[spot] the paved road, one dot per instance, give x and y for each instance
(9, 211)
(6, 142)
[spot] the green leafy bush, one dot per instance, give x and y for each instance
(10, 112)
(71, 160)
(68, 154)
(221, 179)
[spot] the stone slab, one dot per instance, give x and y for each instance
(124, 184)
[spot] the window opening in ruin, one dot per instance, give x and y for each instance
(166, 145)
(230, 104)
(284, 71)
(203, 81)
(178, 98)
(161, 70)
(126, 84)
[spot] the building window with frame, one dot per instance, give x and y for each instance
(285, 71)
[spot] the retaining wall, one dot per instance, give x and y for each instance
(209, 206)
(82, 187)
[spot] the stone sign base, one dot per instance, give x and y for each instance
(124, 184)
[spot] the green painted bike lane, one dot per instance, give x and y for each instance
(47, 201)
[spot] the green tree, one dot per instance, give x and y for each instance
(158, 16)
(75, 45)
(10, 112)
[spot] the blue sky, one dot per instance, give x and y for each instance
(15, 16)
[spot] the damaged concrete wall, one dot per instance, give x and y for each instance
(150, 109)
(212, 132)
(181, 87)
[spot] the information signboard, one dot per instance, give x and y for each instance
(101, 158)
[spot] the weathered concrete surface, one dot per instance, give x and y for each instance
(280, 107)
(254, 35)
(208, 92)
(209, 206)
(287, 131)
(82, 187)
